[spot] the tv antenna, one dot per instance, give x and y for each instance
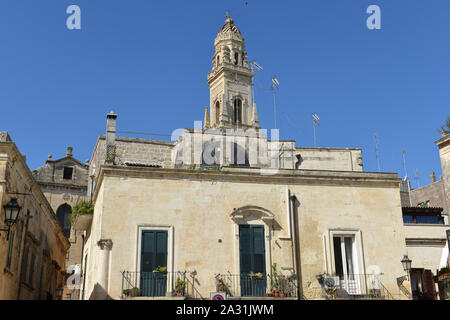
(404, 163)
(258, 67)
(376, 151)
(273, 88)
(316, 122)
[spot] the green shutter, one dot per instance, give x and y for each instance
(259, 264)
(161, 249)
(153, 250)
(252, 249)
(245, 249)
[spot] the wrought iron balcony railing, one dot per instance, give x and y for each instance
(154, 284)
(259, 285)
(355, 286)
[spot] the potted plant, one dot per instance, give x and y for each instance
(331, 292)
(134, 292)
(222, 287)
(180, 286)
(160, 269)
(274, 281)
(81, 208)
(256, 275)
(443, 273)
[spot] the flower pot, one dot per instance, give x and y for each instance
(282, 294)
(268, 294)
(276, 293)
(179, 293)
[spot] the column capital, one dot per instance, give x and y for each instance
(105, 244)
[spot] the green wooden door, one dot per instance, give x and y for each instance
(153, 255)
(252, 260)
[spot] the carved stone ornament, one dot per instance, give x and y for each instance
(105, 244)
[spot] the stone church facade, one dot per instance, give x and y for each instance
(225, 208)
(64, 183)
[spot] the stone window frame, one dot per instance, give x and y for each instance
(170, 244)
(357, 234)
(252, 215)
(170, 249)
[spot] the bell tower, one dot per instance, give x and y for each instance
(230, 82)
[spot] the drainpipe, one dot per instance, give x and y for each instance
(81, 294)
(295, 247)
(289, 218)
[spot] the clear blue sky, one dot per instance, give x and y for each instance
(148, 61)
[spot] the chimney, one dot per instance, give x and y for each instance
(69, 152)
(433, 177)
(110, 136)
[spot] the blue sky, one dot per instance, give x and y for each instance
(148, 61)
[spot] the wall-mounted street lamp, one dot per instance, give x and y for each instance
(406, 262)
(12, 210)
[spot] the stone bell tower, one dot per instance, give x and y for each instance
(230, 82)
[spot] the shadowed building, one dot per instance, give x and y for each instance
(64, 184)
(34, 251)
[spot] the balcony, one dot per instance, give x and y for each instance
(157, 285)
(239, 286)
(354, 286)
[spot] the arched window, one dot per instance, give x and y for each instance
(239, 156)
(236, 58)
(217, 112)
(211, 154)
(237, 111)
(63, 216)
(218, 60)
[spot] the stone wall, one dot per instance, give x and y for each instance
(434, 193)
(40, 236)
(196, 208)
(444, 154)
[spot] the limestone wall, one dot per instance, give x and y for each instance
(40, 236)
(196, 209)
(426, 245)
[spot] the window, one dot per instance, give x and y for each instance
(345, 263)
(428, 219)
(343, 256)
(236, 58)
(63, 215)
(237, 111)
(423, 218)
(68, 171)
(217, 112)
(23, 276)
(218, 60)
(252, 257)
(408, 218)
(10, 249)
(31, 274)
(239, 156)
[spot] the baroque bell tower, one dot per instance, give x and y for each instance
(230, 82)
